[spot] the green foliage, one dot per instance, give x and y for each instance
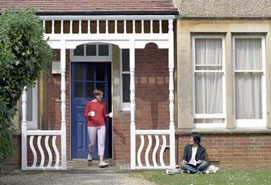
(23, 54)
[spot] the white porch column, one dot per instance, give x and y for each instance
(171, 93)
(132, 104)
(24, 132)
(63, 103)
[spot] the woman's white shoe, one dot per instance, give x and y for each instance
(103, 164)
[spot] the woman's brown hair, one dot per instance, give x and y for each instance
(97, 92)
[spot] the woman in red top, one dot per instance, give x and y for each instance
(95, 112)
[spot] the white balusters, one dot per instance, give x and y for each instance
(41, 152)
(43, 24)
(33, 151)
(134, 28)
(140, 151)
(155, 150)
(24, 131)
(142, 26)
(48, 151)
(106, 26)
(56, 151)
(163, 150)
(148, 151)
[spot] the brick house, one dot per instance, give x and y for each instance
(223, 85)
(151, 58)
(125, 49)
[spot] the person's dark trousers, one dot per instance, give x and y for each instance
(195, 169)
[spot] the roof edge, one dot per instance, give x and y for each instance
(173, 12)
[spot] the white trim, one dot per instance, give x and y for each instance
(209, 116)
(34, 123)
(123, 106)
(248, 123)
(92, 58)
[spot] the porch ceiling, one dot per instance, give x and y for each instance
(89, 7)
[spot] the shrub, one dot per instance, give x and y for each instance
(23, 54)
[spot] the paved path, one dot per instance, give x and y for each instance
(57, 178)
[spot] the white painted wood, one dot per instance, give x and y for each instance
(148, 151)
(163, 150)
(56, 152)
(43, 25)
(80, 26)
(142, 27)
(71, 26)
(45, 168)
(106, 26)
(132, 104)
(24, 131)
(160, 26)
(33, 151)
(152, 167)
(63, 105)
(43, 132)
(41, 152)
(53, 26)
(109, 17)
(89, 26)
(48, 151)
(152, 132)
(125, 27)
(116, 26)
(98, 27)
(33, 124)
(134, 27)
(155, 150)
(140, 151)
(62, 27)
(151, 26)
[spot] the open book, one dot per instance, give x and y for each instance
(194, 163)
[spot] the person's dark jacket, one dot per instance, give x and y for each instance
(200, 155)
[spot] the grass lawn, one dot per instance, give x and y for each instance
(219, 178)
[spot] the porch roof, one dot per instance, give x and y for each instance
(94, 7)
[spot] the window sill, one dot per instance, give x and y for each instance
(224, 131)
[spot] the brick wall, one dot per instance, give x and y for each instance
(152, 104)
(54, 94)
(242, 151)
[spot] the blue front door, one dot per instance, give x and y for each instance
(85, 77)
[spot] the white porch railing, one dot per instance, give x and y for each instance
(38, 142)
(155, 159)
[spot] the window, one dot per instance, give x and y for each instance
(31, 108)
(125, 79)
(249, 80)
(208, 81)
(97, 51)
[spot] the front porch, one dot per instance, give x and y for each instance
(122, 32)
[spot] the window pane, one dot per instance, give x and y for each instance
(78, 89)
(248, 54)
(125, 88)
(89, 90)
(90, 73)
(208, 93)
(91, 50)
(78, 72)
(125, 60)
(29, 103)
(248, 104)
(208, 52)
(103, 50)
(79, 51)
(101, 87)
(100, 73)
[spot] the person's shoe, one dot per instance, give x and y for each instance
(103, 164)
(89, 157)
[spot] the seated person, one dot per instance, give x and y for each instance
(193, 160)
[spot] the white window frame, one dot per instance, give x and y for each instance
(208, 116)
(251, 123)
(96, 58)
(124, 106)
(34, 123)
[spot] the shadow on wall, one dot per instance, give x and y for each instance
(152, 92)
